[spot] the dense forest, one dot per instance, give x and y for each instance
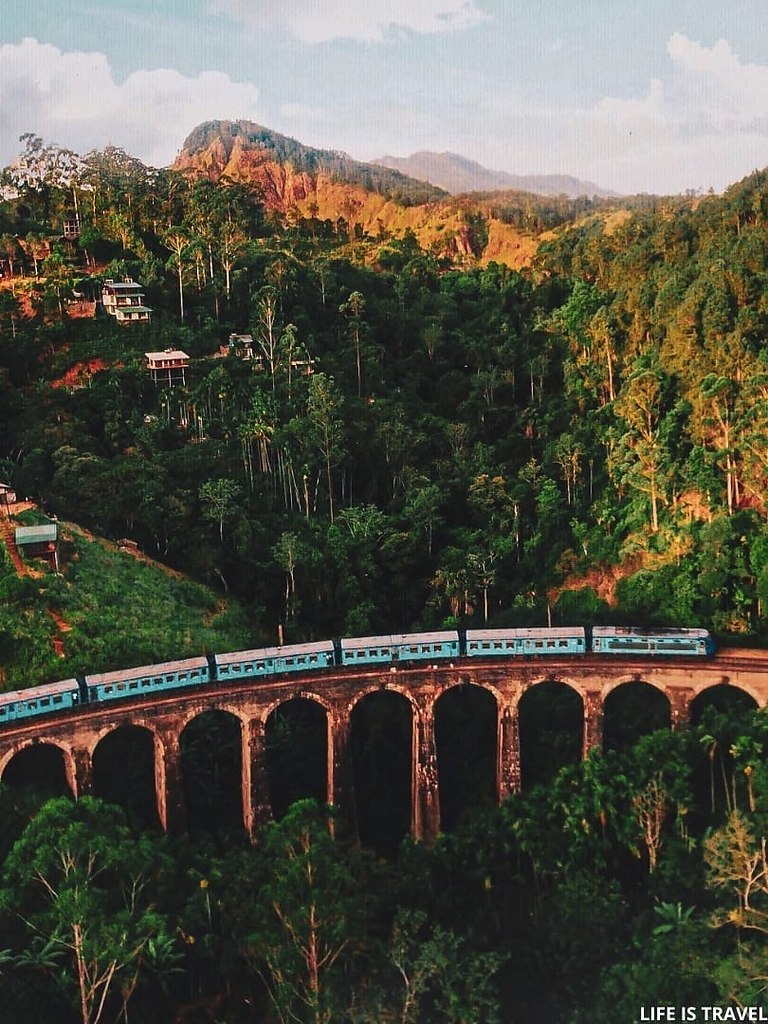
(417, 443)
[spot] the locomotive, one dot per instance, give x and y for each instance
(408, 648)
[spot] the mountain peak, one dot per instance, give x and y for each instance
(236, 148)
(457, 174)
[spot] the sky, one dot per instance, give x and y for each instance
(645, 96)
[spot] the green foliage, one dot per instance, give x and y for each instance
(82, 886)
(119, 610)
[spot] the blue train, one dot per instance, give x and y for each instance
(408, 648)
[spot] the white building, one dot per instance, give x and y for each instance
(124, 300)
(168, 367)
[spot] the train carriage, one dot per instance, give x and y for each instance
(304, 657)
(39, 700)
(376, 650)
(402, 648)
(488, 643)
(659, 640)
(267, 661)
(131, 682)
(245, 664)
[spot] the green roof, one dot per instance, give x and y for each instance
(37, 534)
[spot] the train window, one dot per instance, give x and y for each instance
(182, 675)
(290, 661)
(550, 643)
(498, 645)
(44, 702)
(169, 679)
(108, 689)
(157, 680)
(120, 687)
(133, 685)
(538, 643)
(58, 699)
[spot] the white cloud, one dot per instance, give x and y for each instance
(73, 99)
(320, 21)
(704, 123)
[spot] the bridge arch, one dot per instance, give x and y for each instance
(296, 743)
(263, 711)
(551, 716)
(726, 686)
(210, 745)
(385, 686)
(383, 738)
(39, 761)
(124, 764)
(443, 687)
(633, 708)
(722, 696)
(467, 742)
(648, 679)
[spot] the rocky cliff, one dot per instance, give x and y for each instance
(298, 181)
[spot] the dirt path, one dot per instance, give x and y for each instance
(63, 627)
(8, 536)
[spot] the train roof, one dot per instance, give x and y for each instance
(669, 631)
(543, 632)
(144, 671)
(400, 639)
(288, 650)
(32, 692)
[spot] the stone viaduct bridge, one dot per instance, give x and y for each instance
(76, 734)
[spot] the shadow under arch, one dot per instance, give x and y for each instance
(124, 773)
(631, 710)
(721, 715)
(40, 767)
(722, 698)
(466, 740)
(551, 723)
(381, 755)
(211, 769)
(296, 742)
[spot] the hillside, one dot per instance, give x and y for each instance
(239, 149)
(111, 607)
(456, 174)
(297, 181)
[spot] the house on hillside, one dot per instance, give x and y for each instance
(71, 227)
(40, 542)
(124, 300)
(239, 345)
(7, 496)
(168, 367)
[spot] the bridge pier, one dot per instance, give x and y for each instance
(679, 707)
(425, 791)
(508, 777)
(257, 809)
(340, 788)
(78, 768)
(593, 722)
(169, 786)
